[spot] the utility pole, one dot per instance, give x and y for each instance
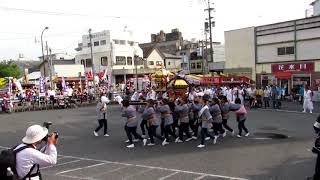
(93, 66)
(136, 64)
(211, 24)
(51, 67)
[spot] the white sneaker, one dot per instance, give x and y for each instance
(247, 135)
(144, 142)
(189, 139)
(215, 139)
(164, 142)
(207, 138)
(150, 144)
(310, 112)
(201, 146)
(179, 141)
(232, 133)
(95, 133)
(127, 141)
(135, 140)
(224, 134)
(130, 146)
(194, 138)
(106, 135)
(238, 136)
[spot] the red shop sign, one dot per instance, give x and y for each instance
(207, 81)
(293, 67)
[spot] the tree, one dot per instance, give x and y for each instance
(9, 70)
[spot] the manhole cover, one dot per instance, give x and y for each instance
(266, 136)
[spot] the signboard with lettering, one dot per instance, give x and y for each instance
(293, 67)
(210, 80)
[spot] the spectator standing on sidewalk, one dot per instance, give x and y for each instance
(266, 97)
(307, 99)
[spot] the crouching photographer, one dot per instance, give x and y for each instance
(29, 158)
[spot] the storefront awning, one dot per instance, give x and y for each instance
(282, 75)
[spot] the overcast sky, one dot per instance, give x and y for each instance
(20, 29)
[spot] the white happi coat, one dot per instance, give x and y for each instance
(307, 102)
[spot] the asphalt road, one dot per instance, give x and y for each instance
(83, 156)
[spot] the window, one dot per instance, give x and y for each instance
(103, 42)
(96, 43)
(285, 51)
(169, 63)
(104, 61)
(151, 63)
(83, 62)
(88, 63)
(131, 43)
(116, 41)
(129, 60)
(120, 60)
(158, 63)
(122, 42)
(193, 65)
(199, 65)
(290, 50)
(89, 44)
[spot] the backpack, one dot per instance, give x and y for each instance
(8, 160)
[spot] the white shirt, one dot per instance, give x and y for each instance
(29, 156)
(69, 91)
(52, 93)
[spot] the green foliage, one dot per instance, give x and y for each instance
(9, 70)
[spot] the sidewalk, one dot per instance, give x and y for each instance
(295, 106)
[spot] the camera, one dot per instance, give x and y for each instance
(47, 125)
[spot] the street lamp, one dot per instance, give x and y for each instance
(42, 41)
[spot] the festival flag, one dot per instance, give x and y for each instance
(63, 84)
(41, 85)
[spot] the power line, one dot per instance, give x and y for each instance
(54, 13)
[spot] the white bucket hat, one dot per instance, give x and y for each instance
(34, 134)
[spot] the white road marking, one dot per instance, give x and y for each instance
(134, 174)
(76, 177)
(170, 175)
(201, 177)
(61, 164)
(153, 167)
(76, 169)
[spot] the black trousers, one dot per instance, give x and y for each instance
(194, 125)
(204, 134)
(162, 127)
(143, 126)
(152, 132)
(266, 102)
(317, 170)
(167, 131)
(102, 123)
(132, 131)
(175, 124)
(226, 126)
(241, 126)
(184, 128)
(217, 128)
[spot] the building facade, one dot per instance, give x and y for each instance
(316, 7)
(116, 52)
(284, 53)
